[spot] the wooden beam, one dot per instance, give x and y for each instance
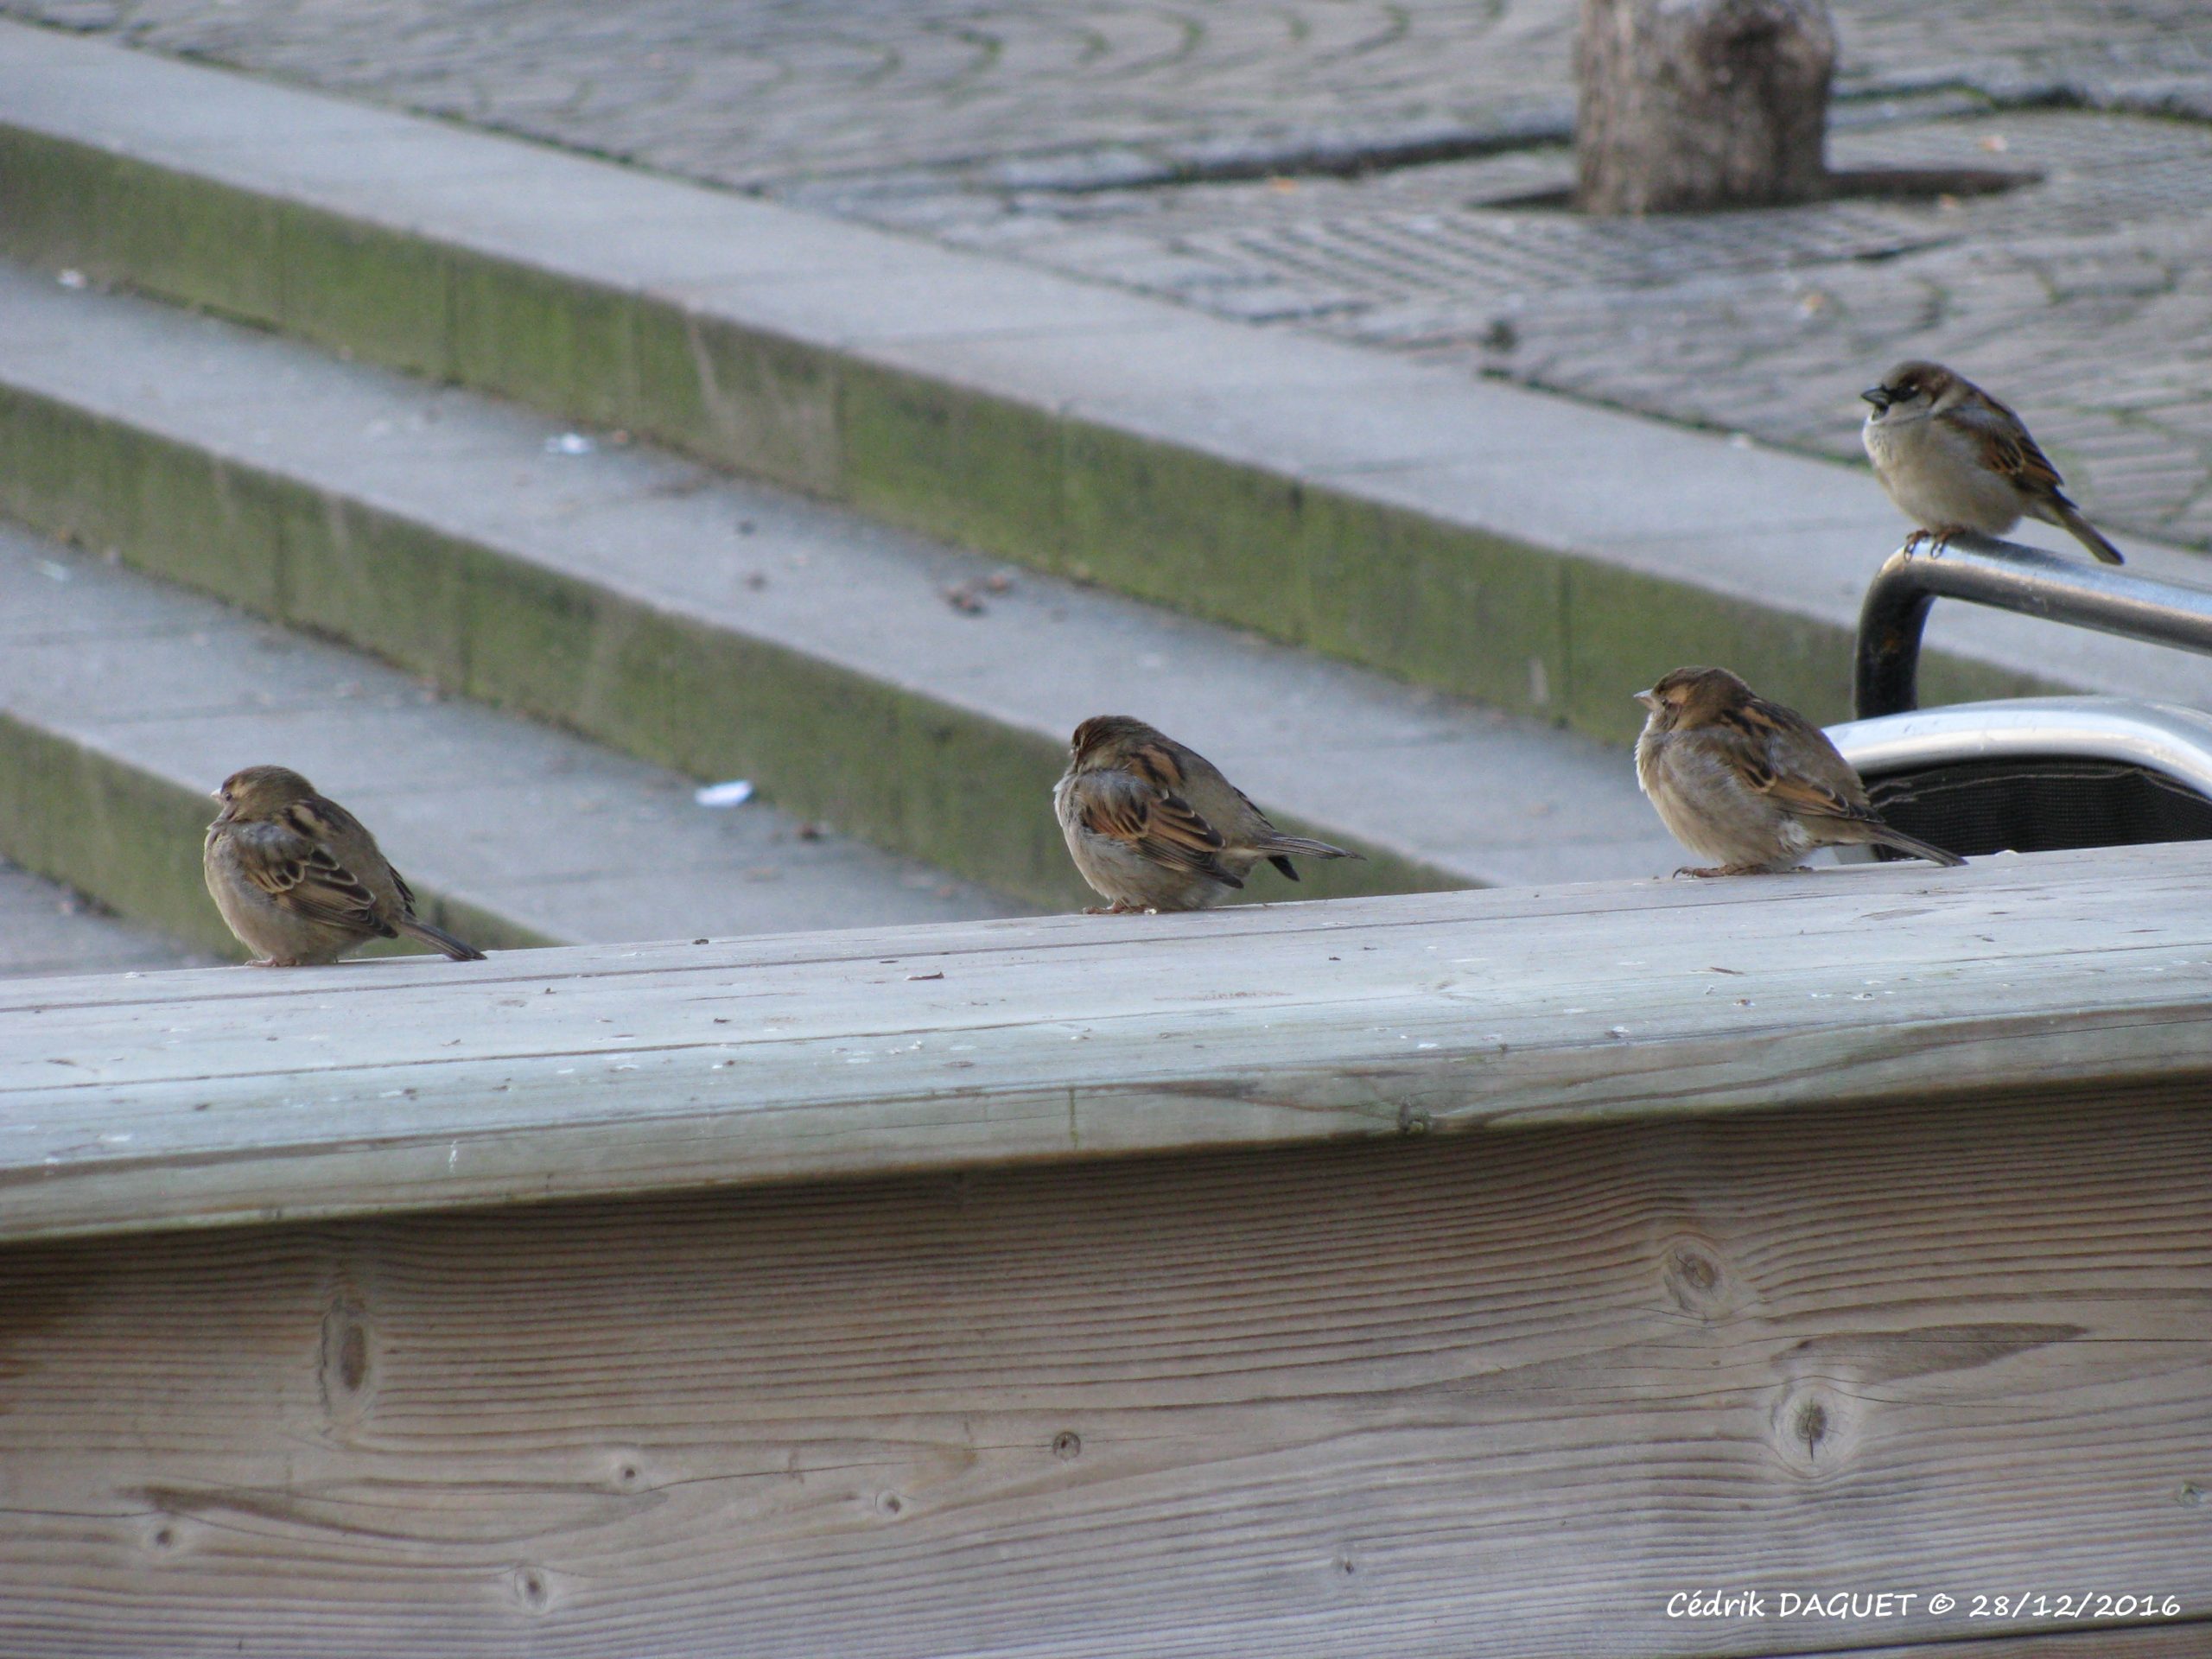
(233, 1096)
(2058, 1639)
(1480, 1395)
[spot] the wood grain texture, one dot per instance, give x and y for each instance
(1450, 1396)
(2174, 1639)
(236, 1096)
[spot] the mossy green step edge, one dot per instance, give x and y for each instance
(954, 789)
(75, 814)
(1516, 627)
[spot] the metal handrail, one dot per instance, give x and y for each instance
(2168, 738)
(2009, 577)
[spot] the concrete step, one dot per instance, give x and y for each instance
(1531, 553)
(124, 701)
(47, 929)
(730, 629)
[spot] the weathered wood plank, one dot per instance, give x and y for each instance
(2179, 1639)
(1498, 1394)
(231, 1096)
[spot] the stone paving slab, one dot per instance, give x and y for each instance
(837, 612)
(124, 701)
(1187, 150)
(1766, 323)
(1331, 495)
(774, 92)
(48, 929)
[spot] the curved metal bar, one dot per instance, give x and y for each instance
(2009, 577)
(2161, 737)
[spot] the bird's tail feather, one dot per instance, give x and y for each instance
(1278, 850)
(1917, 848)
(416, 929)
(1305, 847)
(2070, 520)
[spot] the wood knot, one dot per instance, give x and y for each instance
(1814, 1428)
(353, 1358)
(347, 1366)
(1695, 1279)
(1067, 1445)
(890, 1504)
(532, 1588)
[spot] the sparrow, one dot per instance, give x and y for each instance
(1749, 784)
(1152, 826)
(1953, 458)
(300, 879)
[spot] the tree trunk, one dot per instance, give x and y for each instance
(1688, 105)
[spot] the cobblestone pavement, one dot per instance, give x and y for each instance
(1193, 148)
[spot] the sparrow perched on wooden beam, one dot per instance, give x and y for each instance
(300, 879)
(1153, 825)
(1749, 784)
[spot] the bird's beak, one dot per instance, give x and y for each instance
(1880, 397)
(1648, 700)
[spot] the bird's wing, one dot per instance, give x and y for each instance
(2008, 448)
(1156, 823)
(1808, 797)
(299, 872)
(1790, 761)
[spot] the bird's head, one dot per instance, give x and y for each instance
(261, 792)
(1909, 389)
(1691, 697)
(1107, 739)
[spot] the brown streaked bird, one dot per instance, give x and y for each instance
(300, 879)
(1955, 459)
(1153, 825)
(1749, 784)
